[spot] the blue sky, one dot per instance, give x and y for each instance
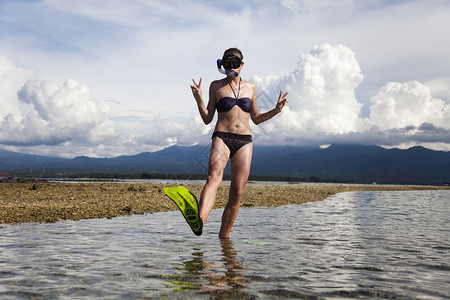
(111, 77)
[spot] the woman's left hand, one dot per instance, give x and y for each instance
(281, 101)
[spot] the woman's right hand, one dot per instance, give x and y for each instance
(197, 90)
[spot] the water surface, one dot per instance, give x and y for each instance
(355, 244)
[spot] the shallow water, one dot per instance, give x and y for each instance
(356, 244)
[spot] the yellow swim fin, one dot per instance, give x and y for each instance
(188, 205)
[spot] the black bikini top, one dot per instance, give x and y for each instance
(227, 103)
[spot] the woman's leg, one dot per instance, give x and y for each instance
(218, 158)
(240, 169)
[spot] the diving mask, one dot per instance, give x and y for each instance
(229, 62)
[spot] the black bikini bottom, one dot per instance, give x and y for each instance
(233, 141)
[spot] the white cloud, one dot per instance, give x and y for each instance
(57, 114)
(323, 109)
(398, 105)
(65, 120)
(321, 94)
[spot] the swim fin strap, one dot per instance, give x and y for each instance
(188, 205)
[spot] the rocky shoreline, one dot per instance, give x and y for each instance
(40, 201)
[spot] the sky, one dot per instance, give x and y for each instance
(104, 78)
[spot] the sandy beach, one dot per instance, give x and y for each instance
(40, 201)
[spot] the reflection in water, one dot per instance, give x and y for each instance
(232, 277)
(190, 272)
(218, 278)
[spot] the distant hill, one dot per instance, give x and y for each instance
(337, 163)
(14, 161)
(366, 164)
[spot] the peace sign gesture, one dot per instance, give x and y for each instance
(281, 101)
(197, 89)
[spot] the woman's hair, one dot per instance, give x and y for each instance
(234, 51)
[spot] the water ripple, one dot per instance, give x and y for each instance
(392, 245)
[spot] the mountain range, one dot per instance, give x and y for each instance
(337, 163)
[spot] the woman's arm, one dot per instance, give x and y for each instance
(258, 118)
(206, 112)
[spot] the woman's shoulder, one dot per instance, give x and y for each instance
(248, 84)
(218, 83)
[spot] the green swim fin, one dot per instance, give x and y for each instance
(188, 205)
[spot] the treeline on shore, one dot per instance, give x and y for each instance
(161, 176)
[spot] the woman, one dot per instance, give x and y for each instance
(235, 101)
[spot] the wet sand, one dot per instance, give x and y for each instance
(51, 202)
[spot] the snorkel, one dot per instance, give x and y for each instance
(226, 72)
